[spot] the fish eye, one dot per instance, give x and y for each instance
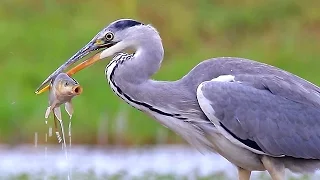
(66, 84)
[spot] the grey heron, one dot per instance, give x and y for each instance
(257, 116)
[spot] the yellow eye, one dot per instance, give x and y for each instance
(109, 36)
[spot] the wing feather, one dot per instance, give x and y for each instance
(281, 115)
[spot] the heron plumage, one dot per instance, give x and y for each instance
(280, 126)
(262, 118)
(275, 86)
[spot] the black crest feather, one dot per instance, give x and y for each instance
(125, 23)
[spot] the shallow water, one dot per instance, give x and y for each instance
(134, 162)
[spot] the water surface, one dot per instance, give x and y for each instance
(178, 161)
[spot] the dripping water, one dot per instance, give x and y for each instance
(45, 151)
(36, 139)
(45, 147)
(69, 133)
(61, 139)
(50, 131)
(64, 147)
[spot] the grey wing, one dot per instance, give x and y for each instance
(265, 113)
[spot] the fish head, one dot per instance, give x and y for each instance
(66, 86)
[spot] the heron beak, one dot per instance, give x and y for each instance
(91, 46)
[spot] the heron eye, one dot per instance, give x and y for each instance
(109, 36)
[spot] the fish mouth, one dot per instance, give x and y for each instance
(77, 90)
(90, 47)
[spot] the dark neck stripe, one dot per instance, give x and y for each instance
(150, 107)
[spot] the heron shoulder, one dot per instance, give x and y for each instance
(215, 67)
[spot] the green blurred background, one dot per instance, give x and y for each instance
(37, 36)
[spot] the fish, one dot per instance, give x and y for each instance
(63, 88)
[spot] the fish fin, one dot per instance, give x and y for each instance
(55, 123)
(57, 113)
(50, 108)
(48, 112)
(69, 108)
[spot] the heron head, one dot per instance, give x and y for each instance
(116, 37)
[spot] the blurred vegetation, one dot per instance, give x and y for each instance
(146, 176)
(38, 36)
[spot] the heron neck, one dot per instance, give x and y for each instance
(145, 62)
(132, 79)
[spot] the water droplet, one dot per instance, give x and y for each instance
(69, 133)
(50, 131)
(36, 139)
